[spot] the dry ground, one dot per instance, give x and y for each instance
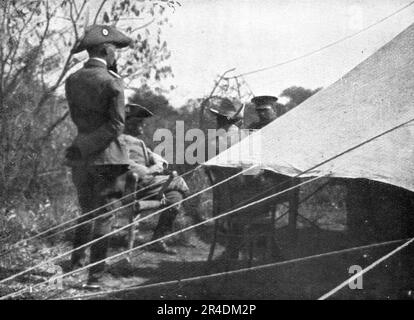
(304, 280)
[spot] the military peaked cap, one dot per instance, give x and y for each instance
(262, 102)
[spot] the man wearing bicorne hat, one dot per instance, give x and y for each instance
(98, 160)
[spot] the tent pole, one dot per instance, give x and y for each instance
(293, 213)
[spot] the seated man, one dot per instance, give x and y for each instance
(150, 167)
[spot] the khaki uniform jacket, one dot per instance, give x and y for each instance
(146, 163)
(96, 103)
(141, 157)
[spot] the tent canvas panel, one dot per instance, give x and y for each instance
(374, 97)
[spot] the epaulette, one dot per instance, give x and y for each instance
(114, 74)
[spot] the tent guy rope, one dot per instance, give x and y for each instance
(239, 271)
(324, 47)
(365, 270)
(120, 229)
(157, 212)
(46, 233)
(150, 242)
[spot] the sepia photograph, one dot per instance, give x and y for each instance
(219, 151)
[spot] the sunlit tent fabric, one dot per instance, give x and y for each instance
(374, 97)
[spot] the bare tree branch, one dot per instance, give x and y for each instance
(143, 26)
(72, 19)
(99, 11)
(42, 75)
(79, 13)
(9, 59)
(75, 7)
(2, 52)
(49, 131)
(31, 60)
(204, 102)
(66, 67)
(24, 148)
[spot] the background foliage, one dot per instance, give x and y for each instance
(36, 191)
(35, 42)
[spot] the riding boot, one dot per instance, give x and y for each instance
(82, 236)
(99, 249)
(98, 252)
(164, 227)
(83, 233)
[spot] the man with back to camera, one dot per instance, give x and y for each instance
(96, 102)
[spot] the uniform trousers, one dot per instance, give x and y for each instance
(96, 186)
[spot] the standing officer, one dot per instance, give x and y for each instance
(265, 109)
(150, 168)
(226, 196)
(98, 160)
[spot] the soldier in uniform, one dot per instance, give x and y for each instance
(233, 194)
(267, 112)
(226, 196)
(98, 160)
(265, 109)
(150, 169)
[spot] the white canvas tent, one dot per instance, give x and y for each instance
(374, 97)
